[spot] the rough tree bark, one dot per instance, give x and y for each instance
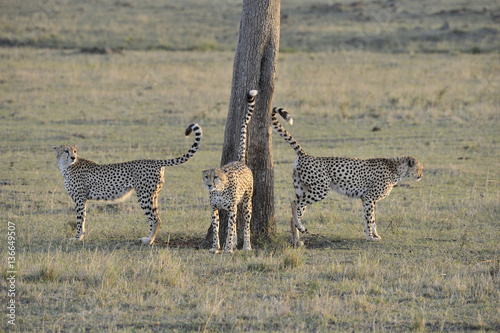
(254, 67)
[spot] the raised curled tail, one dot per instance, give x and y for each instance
(243, 137)
(196, 145)
(283, 133)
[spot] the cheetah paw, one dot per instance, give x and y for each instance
(298, 244)
(303, 231)
(146, 240)
(214, 251)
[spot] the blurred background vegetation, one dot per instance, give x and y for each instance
(386, 26)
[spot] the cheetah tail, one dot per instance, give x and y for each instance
(243, 137)
(283, 133)
(196, 145)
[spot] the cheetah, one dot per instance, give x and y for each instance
(85, 180)
(367, 179)
(230, 185)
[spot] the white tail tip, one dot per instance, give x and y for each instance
(253, 93)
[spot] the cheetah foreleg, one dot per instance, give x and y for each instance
(215, 231)
(231, 229)
(370, 227)
(81, 212)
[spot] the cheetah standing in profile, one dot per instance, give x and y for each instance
(370, 180)
(85, 180)
(230, 185)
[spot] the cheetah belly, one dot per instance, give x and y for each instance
(110, 193)
(348, 190)
(113, 182)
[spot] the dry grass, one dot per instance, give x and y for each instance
(427, 26)
(436, 269)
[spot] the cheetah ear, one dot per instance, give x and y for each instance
(54, 147)
(411, 162)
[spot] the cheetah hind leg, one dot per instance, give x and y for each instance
(247, 210)
(300, 192)
(295, 235)
(150, 207)
(296, 216)
(375, 234)
(304, 198)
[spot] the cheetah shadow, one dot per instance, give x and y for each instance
(179, 241)
(318, 241)
(311, 241)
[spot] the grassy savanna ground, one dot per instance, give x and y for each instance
(344, 25)
(437, 267)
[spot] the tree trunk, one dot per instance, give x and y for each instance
(254, 67)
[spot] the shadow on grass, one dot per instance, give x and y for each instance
(198, 242)
(317, 241)
(180, 241)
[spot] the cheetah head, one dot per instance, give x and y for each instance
(214, 179)
(413, 168)
(66, 155)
